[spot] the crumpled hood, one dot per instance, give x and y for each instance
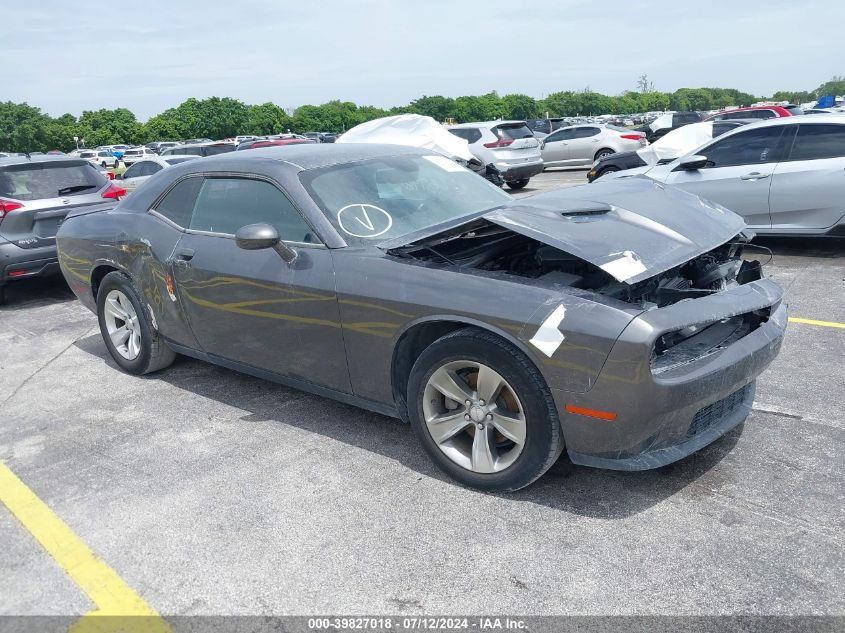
(632, 228)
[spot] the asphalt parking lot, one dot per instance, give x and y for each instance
(210, 492)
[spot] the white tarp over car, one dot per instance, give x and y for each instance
(677, 142)
(409, 129)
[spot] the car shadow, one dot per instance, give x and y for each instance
(36, 292)
(821, 247)
(566, 487)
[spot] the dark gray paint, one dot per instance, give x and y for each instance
(330, 322)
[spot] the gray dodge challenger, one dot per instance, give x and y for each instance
(619, 321)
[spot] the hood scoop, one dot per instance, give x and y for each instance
(586, 210)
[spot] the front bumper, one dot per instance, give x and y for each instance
(663, 417)
(23, 263)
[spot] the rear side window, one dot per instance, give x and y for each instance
(586, 132)
(818, 141)
(39, 181)
(746, 148)
(148, 168)
(213, 150)
(226, 204)
(469, 134)
(512, 132)
(179, 202)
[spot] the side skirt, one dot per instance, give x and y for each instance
(294, 383)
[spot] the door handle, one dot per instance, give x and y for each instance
(184, 254)
(754, 175)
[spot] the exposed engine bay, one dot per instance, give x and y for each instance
(487, 246)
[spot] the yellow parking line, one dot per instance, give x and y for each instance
(814, 322)
(127, 611)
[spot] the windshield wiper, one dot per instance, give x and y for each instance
(66, 190)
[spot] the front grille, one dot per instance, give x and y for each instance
(714, 413)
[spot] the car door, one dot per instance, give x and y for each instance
(555, 148)
(136, 174)
(584, 145)
(738, 172)
(249, 306)
(808, 186)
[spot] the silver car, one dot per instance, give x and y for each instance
(143, 169)
(578, 145)
(36, 193)
(785, 176)
(509, 145)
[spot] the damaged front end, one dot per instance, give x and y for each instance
(704, 322)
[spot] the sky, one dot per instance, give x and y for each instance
(70, 55)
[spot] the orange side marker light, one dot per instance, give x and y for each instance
(591, 413)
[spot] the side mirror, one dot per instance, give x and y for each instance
(691, 163)
(543, 144)
(254, 237)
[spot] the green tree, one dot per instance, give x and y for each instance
(835, 87)
(437, 107)
(519, 106)
(22, 128)
(108, 127)
(267, 118)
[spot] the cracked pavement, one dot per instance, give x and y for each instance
(210, 492)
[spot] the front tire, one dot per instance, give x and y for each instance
(125, 326)
(507, 436)
(516, 185)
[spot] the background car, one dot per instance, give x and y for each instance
(757, 113)
(667, 122)
(135, 154)
(200, 149)
(36, 193)
(102, 157)
(543, 127)
(140, 171)
(160, 146)
(631, 160)
(585, 144)
(509, 145)
(785, 175)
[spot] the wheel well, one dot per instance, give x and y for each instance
(97, 276)
(408, 349)
(603, 149)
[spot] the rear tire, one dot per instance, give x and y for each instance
(508, 441)
(604, 153)
(130, 338)
(103, 164)
(516, 185)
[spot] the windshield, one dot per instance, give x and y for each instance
(371, 201)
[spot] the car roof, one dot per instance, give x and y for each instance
(41, 158)
(806, 119)
(312, 155)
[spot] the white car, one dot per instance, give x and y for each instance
(784, 176)
(140, 171)
(580, 145)
(102, 157)
(509, 145)
(135, 154)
